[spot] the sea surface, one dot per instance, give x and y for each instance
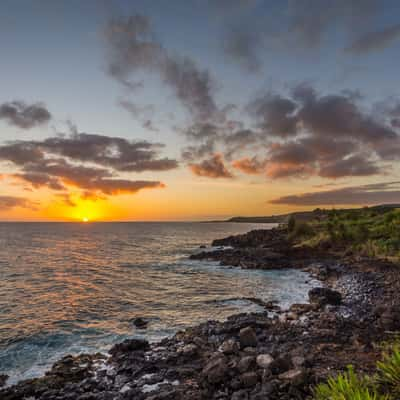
(67, 288)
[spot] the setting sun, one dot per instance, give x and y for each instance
(85, 219)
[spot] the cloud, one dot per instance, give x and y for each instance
(133, 48)
(213, 167)
(251, 166)
(9, 202)
(376, 40)
(388, 192)
(23, 115)
(118, 153)
(91, 163)
(307, 133)
(275, 114)
(243, 46)
(144, 114)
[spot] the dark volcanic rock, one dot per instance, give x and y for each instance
(128, 346)
(248, 337)
(140, 322)
(3, 379)
(324, 296)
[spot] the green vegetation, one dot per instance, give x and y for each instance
(384, 385)
(373, 231)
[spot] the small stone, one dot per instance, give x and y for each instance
(229, 346)
(189, 349)
(249, 379)
(248, 337)
(294, 376)
(298, 361)
(246, 363)
(264, 360)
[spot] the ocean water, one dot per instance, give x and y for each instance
(67, 288)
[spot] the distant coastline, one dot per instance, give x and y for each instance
(300, 215)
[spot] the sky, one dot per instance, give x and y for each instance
(197, 109)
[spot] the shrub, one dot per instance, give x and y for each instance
(389, 371)
(348, 386)
(291, 223)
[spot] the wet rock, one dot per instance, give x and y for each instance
(189, 350)
(3, 379)
(323, 296)
(264, 360)
(140, 322)
(246, 363)
(248, 337)
(280, 365)
(249, 379)
(216, 370)
(294, 376)
(301, 308)
(129, 345)
(240, 395)
(229, 346)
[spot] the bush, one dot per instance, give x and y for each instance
(389, 372)
(347, 386)
(291, 223)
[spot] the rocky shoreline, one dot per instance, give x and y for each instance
(277, 354)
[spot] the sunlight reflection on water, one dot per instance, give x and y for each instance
(68, 288)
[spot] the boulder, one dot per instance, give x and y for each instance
(323, 296)
(216, 370)
(264, 360)
(3, 379)
(249, 379)
(229, 346)
(294, 376)
(189, 350)
(248, 337)
(129, 345)
(246, 363)
(140, 322)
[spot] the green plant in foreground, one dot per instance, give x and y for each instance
(348, 386)
(389, 371)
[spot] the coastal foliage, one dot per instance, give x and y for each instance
(348, 386)
(373, 232)
(384, 385)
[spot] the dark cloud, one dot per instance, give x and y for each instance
(376, 40)
(9, 202)
(24, 115)
(118, 153)
(388, 192)
(89, 162)
(331, 136)
(133, 48)
(275, 114)
(213, 167)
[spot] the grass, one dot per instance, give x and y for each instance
(369, 231)
(383, 385)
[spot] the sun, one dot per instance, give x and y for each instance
(85, 219)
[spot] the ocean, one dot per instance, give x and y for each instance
(67, 288)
